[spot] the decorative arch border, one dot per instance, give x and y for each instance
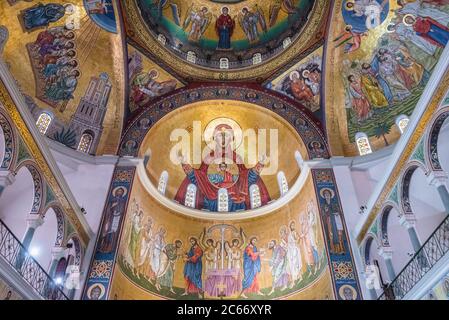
(39, 185)
(61, 224)
(404, 185)
(431, 147)
(366, 247)
(308, 128)
(383, 221)
(11, 150)
(79, 252)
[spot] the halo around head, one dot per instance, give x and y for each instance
(210, 129)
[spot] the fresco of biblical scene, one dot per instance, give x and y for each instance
(102, 13)
(62, 72)
(41, 15)
(223, 169)
(383, 53)
(7, 292)
(234, 29)
(227, 173)
(147, 80)
(167, 255)
(302, 82)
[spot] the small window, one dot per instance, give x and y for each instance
(363, 144)
(85, 142)
(191, 57)
(190, 200)
(287, 41)
(223, 200)
(43, 122)
(163, 180)
(224, 63)
(402, 123)
(257, 58)
(283, 184)
(254, 193)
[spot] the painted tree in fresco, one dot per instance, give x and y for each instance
(381, 131)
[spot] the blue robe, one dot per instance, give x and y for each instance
(250, 268)
(382, 82)
(42, 15)
(212, 205)
(194, 270)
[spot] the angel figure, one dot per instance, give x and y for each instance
(212, 252)
(287, 6)
(234, 251)
(199, 21)
(250, 21)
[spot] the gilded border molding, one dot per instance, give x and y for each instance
(139, 32)
(33, 148)
(437, 98)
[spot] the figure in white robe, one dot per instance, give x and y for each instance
(294, 255)
(157, 251)
(418, 9)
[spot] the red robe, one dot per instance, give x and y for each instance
(225, 21)
(238, 192)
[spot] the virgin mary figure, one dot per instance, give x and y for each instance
(237, 184)
(225, 28)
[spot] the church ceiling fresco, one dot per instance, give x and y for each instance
(236, 168)
(147, 81)
(210, 260)
(53, 51)
(380, 55)
(218, 40)
(302, 82)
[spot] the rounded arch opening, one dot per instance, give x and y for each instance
(15, 213)
(426, 205)
(44, 239)
(398, 238)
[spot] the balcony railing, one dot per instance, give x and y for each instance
(422, 262)
(12, 250)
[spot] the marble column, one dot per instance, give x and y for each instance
(387, 254)
(408, 221)
(56, 254)
(32, 224)
(7, 178)
(439, 180)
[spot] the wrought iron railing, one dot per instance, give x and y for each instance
(12, 250)
(422, 262)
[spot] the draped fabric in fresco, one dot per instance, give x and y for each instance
(56, 51)
(168, 255)
(379, 59)
(337, 239)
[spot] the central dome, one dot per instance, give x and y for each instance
(225, 35)
(205, 31)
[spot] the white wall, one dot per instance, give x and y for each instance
(426, 205)
(89, 183)
(44, 239)
(16, 203)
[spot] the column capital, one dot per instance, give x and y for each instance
(7, 178)
(437, 178)
(35, 222)
(58, 252)
(408, 221)
(385, 252)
